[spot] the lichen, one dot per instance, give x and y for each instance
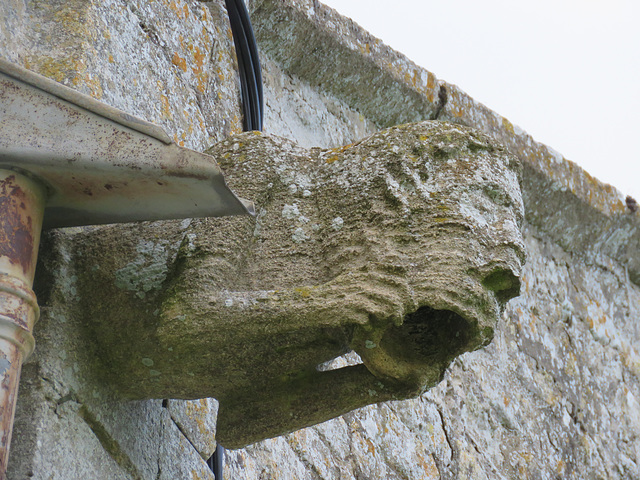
(147, 272)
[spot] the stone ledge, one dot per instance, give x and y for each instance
(328, 51)
(315, 43)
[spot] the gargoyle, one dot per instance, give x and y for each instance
(403, 247)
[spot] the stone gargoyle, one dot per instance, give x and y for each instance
(403, 247)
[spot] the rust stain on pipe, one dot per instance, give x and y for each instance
(16, 225)
(10, 367)
(21, 211)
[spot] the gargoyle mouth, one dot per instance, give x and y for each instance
(431, 336)
(415, 354)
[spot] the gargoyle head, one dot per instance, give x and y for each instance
(403, 247)
(435, 212)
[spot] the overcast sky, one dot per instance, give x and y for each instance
(566, 71)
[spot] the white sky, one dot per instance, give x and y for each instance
(566, 71)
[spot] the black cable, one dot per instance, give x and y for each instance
(248, 64)
(216, 462)
(253, 51)
(252, 108)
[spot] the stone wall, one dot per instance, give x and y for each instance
(556, 394)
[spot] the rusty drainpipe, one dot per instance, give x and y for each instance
(21, 213)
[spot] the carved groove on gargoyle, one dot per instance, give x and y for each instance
(403, 247)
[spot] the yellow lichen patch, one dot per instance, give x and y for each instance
(304, 292)
(431, 81)
(199, 58)
(165, 107)
(332, 159)
(416, 80)
(236, 125)
(508, 126)
(73, 21)
(341, 149)
(371, 448)
(59, 69)
(198, 410)
(94, 85)
(429, 467)
(111, 60)
(201, 121)
(179, 62)
(205, 14)
(173, 5)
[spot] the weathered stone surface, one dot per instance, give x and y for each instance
(170, 62)
(178, 458)
(575, 209)
(197, 420)
(71, 425)
(151, 59)
(403, 247)
(549, 398)
(319, 46)
(543, 400)
(314, 43)
(288, 101)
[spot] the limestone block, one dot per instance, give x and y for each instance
(178, 458)
(197, 420)
(403, 247)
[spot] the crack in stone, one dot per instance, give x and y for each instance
(439, 465)
(442, 101)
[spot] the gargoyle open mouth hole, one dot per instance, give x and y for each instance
(430, 336)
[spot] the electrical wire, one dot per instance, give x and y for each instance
(216, 462)
(248, 64)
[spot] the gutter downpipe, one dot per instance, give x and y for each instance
(21, 213)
